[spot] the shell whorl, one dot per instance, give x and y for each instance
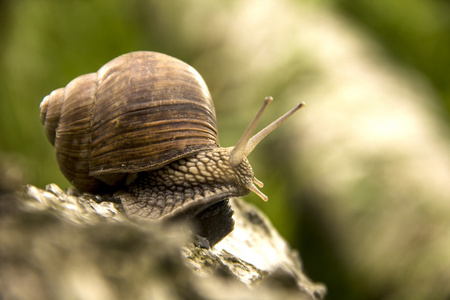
(139, 112)
(50, 111)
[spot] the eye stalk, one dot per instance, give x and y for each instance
(247, 143)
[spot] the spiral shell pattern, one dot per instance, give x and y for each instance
(139, 112)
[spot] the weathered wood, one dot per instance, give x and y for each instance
(65, 245)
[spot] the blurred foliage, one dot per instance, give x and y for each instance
(45, 44)
(415, 32)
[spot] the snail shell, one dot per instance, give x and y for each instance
(143, 128)
(139, 112)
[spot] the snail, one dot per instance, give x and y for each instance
(143, 128)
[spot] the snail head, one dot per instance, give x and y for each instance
(247, 142)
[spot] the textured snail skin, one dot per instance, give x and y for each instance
(186, 186)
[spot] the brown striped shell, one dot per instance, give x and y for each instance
(139, 112)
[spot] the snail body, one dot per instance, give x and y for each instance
(187, 185)
(143, 128)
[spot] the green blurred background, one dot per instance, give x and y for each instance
(45, 44)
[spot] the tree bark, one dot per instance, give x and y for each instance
(66, 245)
